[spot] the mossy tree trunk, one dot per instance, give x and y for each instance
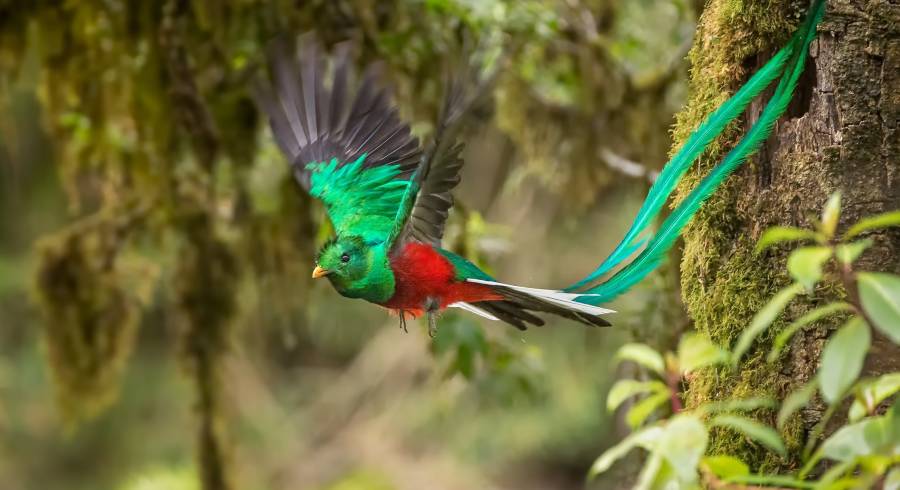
(840, 133)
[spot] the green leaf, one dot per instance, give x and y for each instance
(460, 331)
(642, 409)
(764, 318)
(772, 480)
(645, 438)
(868, 436)
(892, 425)
(847, 253)
(779, 234)
(795, 401)
(627, 388)
(653, 471)
(464, 337)
(831, 479)
(884, 220)
(873, 437)
(726, 467)
(880, 296)
(696, 351)
(830, 214)
(805, 265)
(872, 394)
(810, 317)
(876, 464)
(846, 483)
(682, 444)
(643, 355)
(752, 429)
(842, 359)
(892, 480)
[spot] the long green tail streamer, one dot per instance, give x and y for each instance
(672, 172)
(789, 63)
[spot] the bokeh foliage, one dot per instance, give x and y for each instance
(180, 207)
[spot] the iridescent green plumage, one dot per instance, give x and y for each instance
(361, 201)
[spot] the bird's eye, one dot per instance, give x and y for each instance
(345, 257)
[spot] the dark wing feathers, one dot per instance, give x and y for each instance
(337, 110)
(439, 171)
(313, 122)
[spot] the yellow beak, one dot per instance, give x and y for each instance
(319, 272)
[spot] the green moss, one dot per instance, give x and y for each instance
(91, 317)
(723, 282)
(569, 100)
(207, 279)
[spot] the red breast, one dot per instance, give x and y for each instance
(421, 272)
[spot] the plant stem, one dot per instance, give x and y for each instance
(848, 280)
(673, 380)
(817, 431)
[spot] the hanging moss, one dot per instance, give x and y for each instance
(568, 100)
(90, 317)
(205, 294)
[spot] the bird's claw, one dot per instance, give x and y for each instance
(431, 309)
(432, 324)
(403, 321)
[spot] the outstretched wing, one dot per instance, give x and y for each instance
(346, 142)
(438, 174)
(426, 205)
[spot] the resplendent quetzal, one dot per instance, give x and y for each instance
(388, 197)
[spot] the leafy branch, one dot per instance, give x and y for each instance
(862, 452)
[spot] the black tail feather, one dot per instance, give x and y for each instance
(517, 306)
(511, 313)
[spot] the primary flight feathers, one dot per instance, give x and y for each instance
(347, 144)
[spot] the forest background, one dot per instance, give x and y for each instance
(158, 326)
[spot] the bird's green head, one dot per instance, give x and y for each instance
(356, 268)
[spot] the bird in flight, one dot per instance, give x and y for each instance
(388, 196)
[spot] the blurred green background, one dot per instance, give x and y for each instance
(155, 253)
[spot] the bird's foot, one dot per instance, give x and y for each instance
(431, 311)
(403, 321)
(432, 324)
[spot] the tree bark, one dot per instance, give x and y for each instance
(840, 133)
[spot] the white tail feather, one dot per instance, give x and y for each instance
(561, 298)
(473, 309)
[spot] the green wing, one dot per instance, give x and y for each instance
(347, 146)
